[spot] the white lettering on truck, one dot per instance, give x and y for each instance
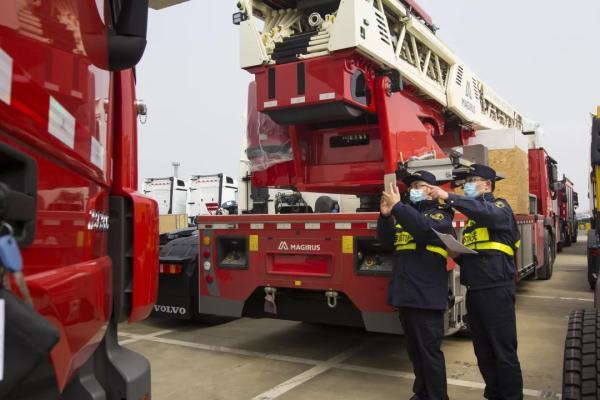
(170, 309)
(299, 247)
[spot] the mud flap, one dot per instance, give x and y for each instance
(270, 306)
(128, 373)
(114, 372)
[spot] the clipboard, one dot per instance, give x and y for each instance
(452, 244)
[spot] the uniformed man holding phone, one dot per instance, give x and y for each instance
(489, 277)
(419, 284)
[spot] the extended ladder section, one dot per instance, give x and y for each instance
(391, 33)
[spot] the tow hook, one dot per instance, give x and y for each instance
(270, 306)
(332, 298)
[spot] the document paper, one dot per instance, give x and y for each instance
(452, 244)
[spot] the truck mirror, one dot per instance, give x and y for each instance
(116, 46)
(127, 39)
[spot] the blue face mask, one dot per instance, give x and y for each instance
(471, 189)
(417, 195)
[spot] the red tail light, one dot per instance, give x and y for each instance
(594, 252)
(170, 269)
(206, 254)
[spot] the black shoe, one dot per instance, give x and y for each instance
(415, 397)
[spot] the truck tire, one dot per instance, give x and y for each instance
(545, 272)
(562, 239)
(581, 379)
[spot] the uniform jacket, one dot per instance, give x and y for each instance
(491, 267)
(420, 276)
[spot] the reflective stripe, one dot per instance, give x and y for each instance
(403, 237)
(479, 239)
(475, 236)
(493, 246)
(439, 250)
(434, 249)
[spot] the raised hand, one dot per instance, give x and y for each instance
(437, 192)
(390, 199)
(385, 208)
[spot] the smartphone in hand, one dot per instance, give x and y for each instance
(387, 180)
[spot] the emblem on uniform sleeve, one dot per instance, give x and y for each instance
(500, 204)
(437, 216)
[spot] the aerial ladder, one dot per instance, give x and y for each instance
(357, 62)
(395, 35)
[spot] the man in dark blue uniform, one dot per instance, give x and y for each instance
(490, 280)
(419, 284)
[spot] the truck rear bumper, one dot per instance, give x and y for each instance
(219, 306)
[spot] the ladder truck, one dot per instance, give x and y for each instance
(69, 199)
(345, 92)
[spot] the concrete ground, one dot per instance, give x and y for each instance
(224, 359)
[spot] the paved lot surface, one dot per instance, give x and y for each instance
(224, 359)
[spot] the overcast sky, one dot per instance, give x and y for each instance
(542, 56)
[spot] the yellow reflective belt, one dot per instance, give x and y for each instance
(439, 250)
(518, 244)
(493, 246)
(410, 246)
(434, 249)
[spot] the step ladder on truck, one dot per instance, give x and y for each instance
(344, 93)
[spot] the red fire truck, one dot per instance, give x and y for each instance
(567, 203)
(68, 194)
(344, 93)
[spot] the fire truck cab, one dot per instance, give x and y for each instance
(68, 192)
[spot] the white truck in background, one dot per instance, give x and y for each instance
(208, 193)
(171, 193)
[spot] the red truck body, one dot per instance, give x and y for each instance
(567, 203)
(303, 257)
(91, 234)
(329, 99)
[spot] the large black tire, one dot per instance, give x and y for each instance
(581, 370)
(545, 272)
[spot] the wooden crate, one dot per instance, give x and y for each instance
(172, 222)
(513, 164)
